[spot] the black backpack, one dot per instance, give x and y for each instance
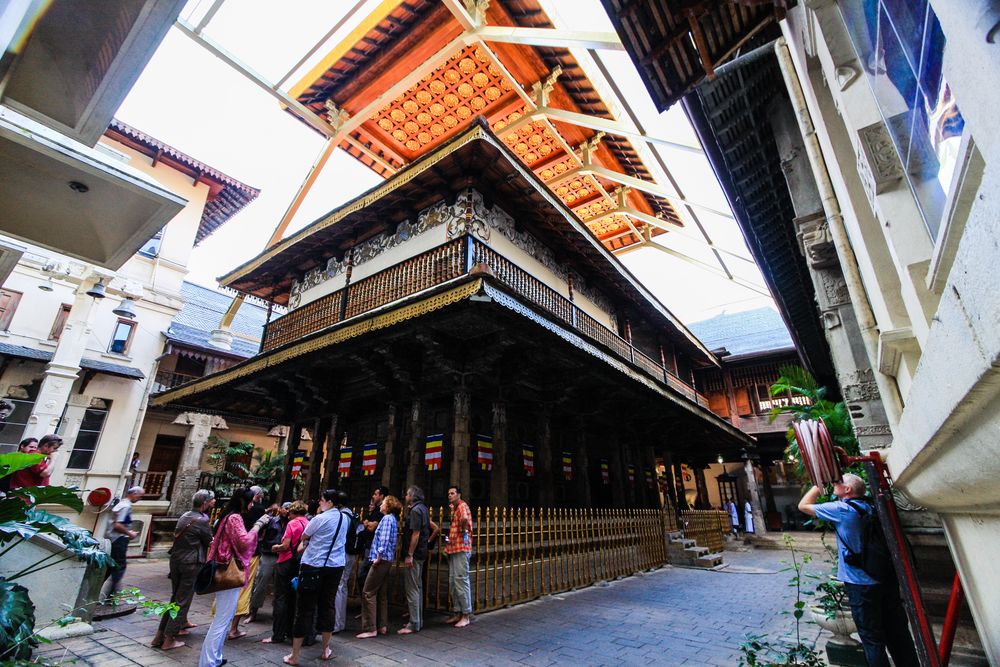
(351, 545)
(874, 557)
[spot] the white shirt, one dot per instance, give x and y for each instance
(321, 531)
(121, 513)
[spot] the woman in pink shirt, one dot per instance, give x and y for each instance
(286, 569)
(232, 539)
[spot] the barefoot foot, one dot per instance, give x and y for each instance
(454, 619)
(326, 654)
(461, 624)
(366, 635)
(289, 661)
(170, 644)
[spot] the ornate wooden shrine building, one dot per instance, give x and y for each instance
(466, 320)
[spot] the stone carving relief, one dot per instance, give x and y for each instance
(878, 161)
(816, 243)
(860, 385)
(835, 292)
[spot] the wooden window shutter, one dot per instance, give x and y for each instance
(718, 404)
(8, 305)
(742, 396)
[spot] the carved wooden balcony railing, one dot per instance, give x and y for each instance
(169, 379)
(447, 262)
(155, 485)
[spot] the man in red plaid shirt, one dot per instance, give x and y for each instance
(459, 550)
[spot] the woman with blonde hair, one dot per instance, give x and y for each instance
(375, 609)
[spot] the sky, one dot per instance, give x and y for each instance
(188, 98)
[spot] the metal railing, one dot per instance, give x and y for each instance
(155, 485)
(707, 528)
(441, 264)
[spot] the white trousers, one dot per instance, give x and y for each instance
(215, 638)
(340, 605)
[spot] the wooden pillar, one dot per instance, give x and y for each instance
(581, 465)
(499, 480)
(649, 458)
(631, 494)
(641, 489)
(682, 503)
(619, 480)
(332, 454)
(321, 434)
(701, 502)
(414, 465)
(287, 489)
(758, 514)
(668, 471)
(772, 516)
(390, 469)
(543, 460)
(460, 441)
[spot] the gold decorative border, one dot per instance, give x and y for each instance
(382, 321)
(475, 133)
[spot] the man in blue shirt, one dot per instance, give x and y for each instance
(875, 605)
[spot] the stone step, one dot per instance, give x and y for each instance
(696, 551)
(708, 560)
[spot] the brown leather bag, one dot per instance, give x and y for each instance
(224, 575)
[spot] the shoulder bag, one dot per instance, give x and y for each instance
(308, 580)
(215, 576)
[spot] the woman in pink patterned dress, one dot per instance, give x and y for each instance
(232, 539)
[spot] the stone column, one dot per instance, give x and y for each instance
(759, 526)
(390, 469)
(460, 440)
(414, 467)
(543, 460)
(701, 502)
(61, 372)
(287, 489)
(321, 435)
(619, 480)
(581, 466)
(499, 480)
(189, 470)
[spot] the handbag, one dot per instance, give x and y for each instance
(216, 576)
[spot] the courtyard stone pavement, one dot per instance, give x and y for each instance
(671, 616)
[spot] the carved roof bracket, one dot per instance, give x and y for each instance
(540, 89)
(335, 115)
(588, 147)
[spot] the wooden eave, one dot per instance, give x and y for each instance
(478, 159)
(399, 38)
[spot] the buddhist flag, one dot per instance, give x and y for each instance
(484, 451)
(370, 456)
(567, 465)
(432, 451)
(631, 474)
(605, 474)
(297, 460)
(528, 455)
(345, 460)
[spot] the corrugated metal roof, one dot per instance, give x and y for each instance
(751, 331)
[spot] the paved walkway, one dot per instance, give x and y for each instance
(672, 616)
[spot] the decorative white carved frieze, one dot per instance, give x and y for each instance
(878, 162)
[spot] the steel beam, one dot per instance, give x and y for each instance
(612, 127)
(550, 37)
(746, 284)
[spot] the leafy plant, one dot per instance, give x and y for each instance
(267, 472)
(831, 594)
(21, 520)
(148, 607)
(759, 651)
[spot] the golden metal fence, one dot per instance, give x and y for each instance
(707, 528)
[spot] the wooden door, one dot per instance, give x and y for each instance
(167, 451)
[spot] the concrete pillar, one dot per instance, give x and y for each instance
(189, 471)
(543, 461)
(414, 466)
(391, 470)
(581, 466)
(759, 525)
(619, 480)
(460, 440)
(499, 480)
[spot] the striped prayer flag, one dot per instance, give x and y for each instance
(649, 479)
(631, 474)
(297, 460)
(567, 465)
(528, 456)
(605, 473)
(484, 451)
(370, 457)
(433, 450)
(344, 467)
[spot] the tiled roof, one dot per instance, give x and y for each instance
(22, 352)
(747, 332)
(203, 309)
(227, 195)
